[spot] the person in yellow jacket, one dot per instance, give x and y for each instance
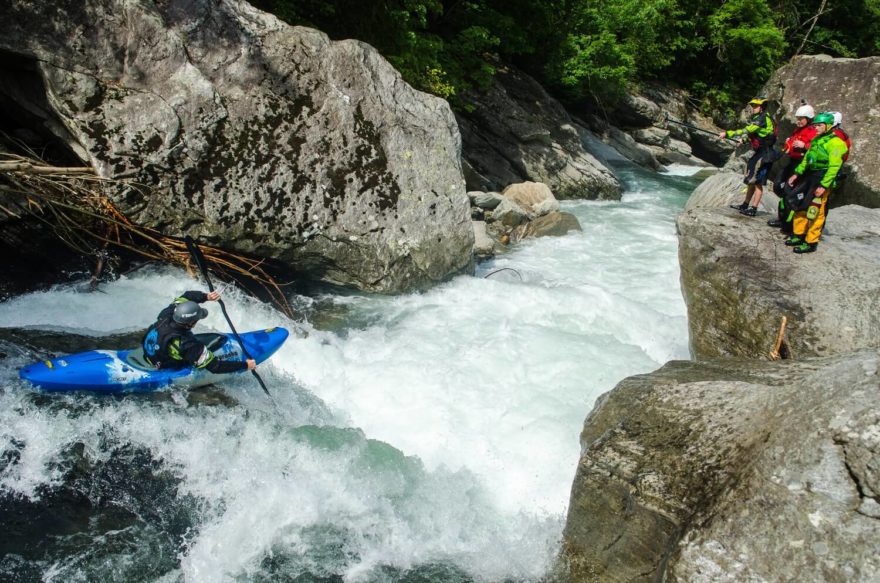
(815, 176)
(761, 134)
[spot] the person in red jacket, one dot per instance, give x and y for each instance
(795, 146)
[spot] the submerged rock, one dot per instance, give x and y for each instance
(554, 224)
(523, 210)
(251, 134)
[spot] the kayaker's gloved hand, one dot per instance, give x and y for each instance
(251, 364)
(213, 296)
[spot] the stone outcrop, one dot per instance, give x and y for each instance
(517, 132)
(650, 119)
(553, 224)
(739, 279)
(251, 134)
(525, 210)
(484, 245)
(535, 197)
(846, 85)
(730, 471)
(742, 469)
(632, 150)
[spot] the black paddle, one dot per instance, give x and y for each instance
(200, 261)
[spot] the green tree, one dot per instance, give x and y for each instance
(592, 50)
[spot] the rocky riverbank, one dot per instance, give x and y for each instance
(733, 467)
(732, 470)
(275, 142)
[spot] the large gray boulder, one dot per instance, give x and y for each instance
(535, 197)
(850, 87)
(731, 471)
(631, 149)
(517, 132)
(657, 107)
(739, 279)
(254, 135)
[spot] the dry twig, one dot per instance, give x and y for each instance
(76, 204)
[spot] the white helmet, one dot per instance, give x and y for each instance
(805, 111)
(838, 117)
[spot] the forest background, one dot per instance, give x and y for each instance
(590, 52)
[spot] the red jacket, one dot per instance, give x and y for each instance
(804, 134)
(840, 133)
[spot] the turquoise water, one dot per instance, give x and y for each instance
(423, 437)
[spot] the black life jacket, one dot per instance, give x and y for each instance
(766, 141)
(156, 342)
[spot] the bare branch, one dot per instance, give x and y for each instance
(75, 203)
(814, 20)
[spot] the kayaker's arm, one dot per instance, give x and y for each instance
(196, 296)
(197, 354)
(217, 366)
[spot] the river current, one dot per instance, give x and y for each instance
(422, 437)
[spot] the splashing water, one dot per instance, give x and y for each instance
(428, 437)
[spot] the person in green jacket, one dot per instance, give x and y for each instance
(816, 175)
(760, 132)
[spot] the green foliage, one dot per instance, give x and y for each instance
(618, 41)
(845, 28)
(750, 46)
(722, 50)
(468, 56)
(593, 64)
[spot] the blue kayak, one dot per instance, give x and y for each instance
(123, 371)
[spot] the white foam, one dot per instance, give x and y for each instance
(481, 385)
(682, 169)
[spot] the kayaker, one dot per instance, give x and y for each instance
(170, 343)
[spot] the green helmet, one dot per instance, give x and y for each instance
(824, 117)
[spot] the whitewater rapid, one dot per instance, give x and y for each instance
(431, 434)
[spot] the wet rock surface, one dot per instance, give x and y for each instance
(517, 132)
(254, 135)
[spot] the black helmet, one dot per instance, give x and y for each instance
(188, 313)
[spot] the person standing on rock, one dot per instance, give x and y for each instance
(761, 133)
(795, 146)
(816, 174)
